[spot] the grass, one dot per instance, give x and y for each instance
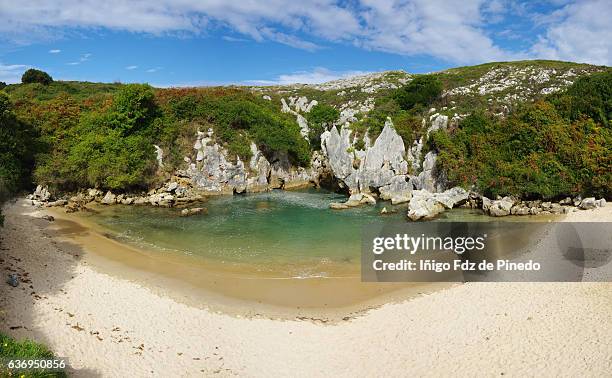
(26, 349)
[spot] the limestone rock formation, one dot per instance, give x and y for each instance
(399, 190)
(159, 156)
(381, 165)
(426, 205)
(213, 171)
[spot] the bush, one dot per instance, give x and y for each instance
(2, 85)
(534, 153)
(109, 149)
(239, 117)
(420, 92)
(589, 96)
(133, 108)
(36, 76)
(320, 118)
(17, 144)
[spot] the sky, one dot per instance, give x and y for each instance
(216, 42)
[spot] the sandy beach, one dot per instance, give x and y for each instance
(110, 324)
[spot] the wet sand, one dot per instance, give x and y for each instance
(109, 323)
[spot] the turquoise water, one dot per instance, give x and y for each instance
(295, 230)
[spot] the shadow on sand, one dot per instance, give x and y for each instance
(43, 266)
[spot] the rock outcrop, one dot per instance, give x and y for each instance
(41, 194)
(381, 166)
(213, 172)
(425, 205)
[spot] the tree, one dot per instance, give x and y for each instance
(419, 92)
(2, 85)
(36, 76)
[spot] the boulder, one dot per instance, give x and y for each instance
(41, 194)
(534, 210)
(140, 200)
(73, 207)
(427, 205)
(171, 187)
(555, 208)
(161, 200)
(588, 203)
(452, 197)
(354, 200)
(192, 211)
(502, 207)
(48, 217)
(109, 198)
(368, 199)
(127, 201)
(486, 204)
(57, 203)
(424, 205)
(520, 209)
(568, 209)
(338, 206)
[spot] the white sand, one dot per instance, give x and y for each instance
(112, 327)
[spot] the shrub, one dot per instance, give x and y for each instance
(111, 148)
(238, 117)
(589, 96)
(103, 158)
(2, 85)
(17, 144)
(320, 118)
(420, 92)
(133, 108)
(534, 153)
(36, 76)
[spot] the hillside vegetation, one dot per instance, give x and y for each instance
(519, 128)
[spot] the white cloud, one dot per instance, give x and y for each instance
(55, 51)
(441, 29)
(233, 39)
(579, 32)
(289, 40)
(457, 32)
(83, 58)
(131, 68)
(11, 73)
(316, 76)
(155, 69)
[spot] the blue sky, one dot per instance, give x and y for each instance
(209, 42)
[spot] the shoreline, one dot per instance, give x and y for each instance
(231, 290)
(110, 324)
